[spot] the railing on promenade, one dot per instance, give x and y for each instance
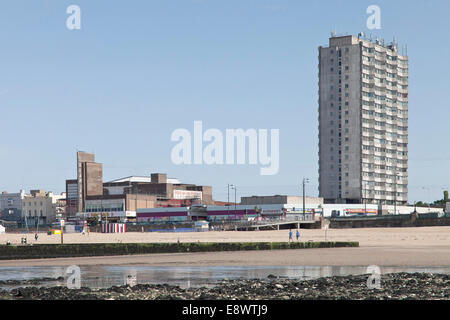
(239, 224)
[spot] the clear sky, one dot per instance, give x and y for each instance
(138, 70)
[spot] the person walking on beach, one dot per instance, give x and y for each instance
(297, 235)
(290, 235)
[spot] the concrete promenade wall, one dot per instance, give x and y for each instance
(391, 221)
(40, 251)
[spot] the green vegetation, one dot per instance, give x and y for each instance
(108, 249)
(436, 204)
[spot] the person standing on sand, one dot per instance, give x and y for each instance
(297, 235)
(290, 235)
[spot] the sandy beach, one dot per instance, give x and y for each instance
(427, 246)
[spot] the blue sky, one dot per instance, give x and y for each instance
(138, 70)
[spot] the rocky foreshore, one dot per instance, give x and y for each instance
(401, 286)
(34, 281)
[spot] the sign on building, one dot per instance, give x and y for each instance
(187, 194)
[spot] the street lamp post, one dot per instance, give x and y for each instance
(234, 187)
(228, 202)
(235, 199)
(101, 213)
(305, 180)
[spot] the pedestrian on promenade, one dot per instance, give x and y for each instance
(297, 235)
(290, 235)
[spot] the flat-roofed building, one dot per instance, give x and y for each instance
(11, 206)
(363, 122)
(162, 187)
(40, 208)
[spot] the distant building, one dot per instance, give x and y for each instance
(119, 202)
(71, 197)
(363, 122)
(88, 193)
(11, 206)
(89, 178)
(165, 189)
(89, 182)
(280, 199)
(40, 208)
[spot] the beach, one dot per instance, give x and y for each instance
(426, 246)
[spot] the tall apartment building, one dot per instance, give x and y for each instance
(363, 122)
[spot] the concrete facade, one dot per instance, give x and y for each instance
(363, 122)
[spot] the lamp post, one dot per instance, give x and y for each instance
(228, 202)
(305, 180)
(235, 201)
(234, 187)
(101, 213)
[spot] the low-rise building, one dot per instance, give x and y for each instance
(40, 208)
(164, 188)
(11, 206)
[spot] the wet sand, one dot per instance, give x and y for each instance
(428, 246)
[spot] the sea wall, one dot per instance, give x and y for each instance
(390, 221)
(38, 251)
